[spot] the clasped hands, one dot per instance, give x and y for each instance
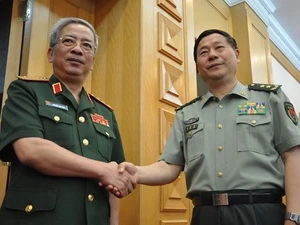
(119, 180)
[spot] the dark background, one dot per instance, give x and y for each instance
(5, 21)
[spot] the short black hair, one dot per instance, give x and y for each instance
(205, 33)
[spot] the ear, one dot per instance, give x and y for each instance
(92, 66)
(50, 55)
(237, 55)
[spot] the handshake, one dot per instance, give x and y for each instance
(120, 179)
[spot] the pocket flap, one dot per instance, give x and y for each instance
(253, 120)
(106, 131)
(56, 115)
(30, 200)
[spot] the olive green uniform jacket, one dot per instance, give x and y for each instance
(46, 109)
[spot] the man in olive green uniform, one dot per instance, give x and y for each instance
(238, 145)
(61, 141)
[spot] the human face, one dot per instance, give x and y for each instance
(72, 63)
(216, 59)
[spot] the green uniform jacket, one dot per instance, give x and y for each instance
(46, 109)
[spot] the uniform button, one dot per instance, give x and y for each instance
(220, 148)
(220, 174)
(85, 142)
(107, 134)
(56, 118)
(81, 119)
(221, 106)
(220, 126)
(91, 197)
(253, 121)
(28, 208)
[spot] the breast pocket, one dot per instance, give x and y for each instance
(105, 139)
(194, 140)
(58, 126)
(254, 133)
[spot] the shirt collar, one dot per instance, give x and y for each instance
(239, 90)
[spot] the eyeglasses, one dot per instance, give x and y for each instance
(86, 46)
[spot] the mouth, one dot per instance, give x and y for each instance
(74, 60)
(214, 65)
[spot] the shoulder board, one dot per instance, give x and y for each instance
(36, 79)
(264, 87)
(98, 100)
(190, 102)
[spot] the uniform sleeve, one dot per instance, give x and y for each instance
(286, 126)
(173, 151)
(19, 117)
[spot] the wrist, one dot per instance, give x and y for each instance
(293, 217)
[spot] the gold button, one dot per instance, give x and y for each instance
(56, 118)
(91, 197)
(253, 121)
(85, 142)
(221, 106)
(28, 208)
(220, 126)
(220, 174)
(81, 119)
(107, 134)
(220, 148)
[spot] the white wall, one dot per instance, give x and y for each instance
(290, 85)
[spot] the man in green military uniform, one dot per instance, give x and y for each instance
(63, 143)
(238, 145)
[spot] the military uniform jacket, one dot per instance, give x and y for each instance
(46, 109)
(234, 143)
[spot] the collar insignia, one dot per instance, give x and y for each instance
(57, 88)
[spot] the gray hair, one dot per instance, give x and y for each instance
(56, 29)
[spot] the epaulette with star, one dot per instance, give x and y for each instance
(34, 79)
(98, 100)
(190, 102)
(264, 87)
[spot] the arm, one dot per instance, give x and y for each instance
(158, 173)
(114, 203)
(291, 160)
(51, 159)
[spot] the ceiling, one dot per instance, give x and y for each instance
(281, 17)
(288, 16)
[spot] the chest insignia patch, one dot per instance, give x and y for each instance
(252, 108)
(56, 105)
(290, 111)
(191, 127)
(191, 120)
(96, 118)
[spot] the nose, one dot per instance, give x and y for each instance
(77, 47)
(212, 54)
